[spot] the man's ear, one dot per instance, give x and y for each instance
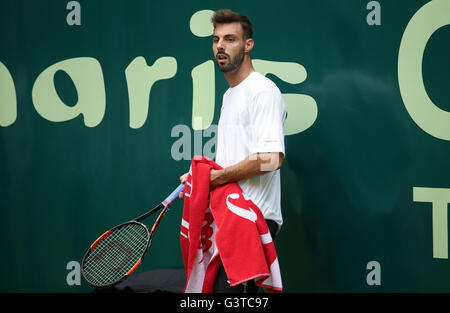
(249, 43)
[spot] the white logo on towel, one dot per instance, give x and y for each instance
(249, 215)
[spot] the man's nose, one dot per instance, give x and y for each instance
(220, 45)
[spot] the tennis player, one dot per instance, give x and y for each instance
(250, 137)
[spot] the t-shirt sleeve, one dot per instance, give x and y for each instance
(267, 114)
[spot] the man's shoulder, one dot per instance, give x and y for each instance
(261, 84)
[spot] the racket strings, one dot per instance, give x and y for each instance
(116, 254)
(112, 256)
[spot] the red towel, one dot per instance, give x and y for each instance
(222, 226)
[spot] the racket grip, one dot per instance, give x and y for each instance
(173, 196)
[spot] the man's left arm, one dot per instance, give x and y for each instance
(255, 165)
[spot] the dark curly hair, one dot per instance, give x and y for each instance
(225, 16)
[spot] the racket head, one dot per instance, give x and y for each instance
(116, 254)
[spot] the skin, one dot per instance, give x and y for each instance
(232, 53)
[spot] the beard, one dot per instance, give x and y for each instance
(234, 63)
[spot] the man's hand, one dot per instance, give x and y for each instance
(183, 179)
(215, 178)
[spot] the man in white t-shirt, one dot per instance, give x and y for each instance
(250, 137)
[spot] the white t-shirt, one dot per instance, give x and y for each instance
(252, 120)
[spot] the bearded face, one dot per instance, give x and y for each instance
(229, 46)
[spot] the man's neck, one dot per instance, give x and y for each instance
(236, 77)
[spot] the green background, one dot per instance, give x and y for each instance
(347, 181)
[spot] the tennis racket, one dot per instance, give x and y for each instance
(118, 252)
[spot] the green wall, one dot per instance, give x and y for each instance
(88, 140)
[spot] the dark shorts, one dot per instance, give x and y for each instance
(221, 284)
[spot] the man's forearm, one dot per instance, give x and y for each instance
(253, 166)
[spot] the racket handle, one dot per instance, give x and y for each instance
(173, 196)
